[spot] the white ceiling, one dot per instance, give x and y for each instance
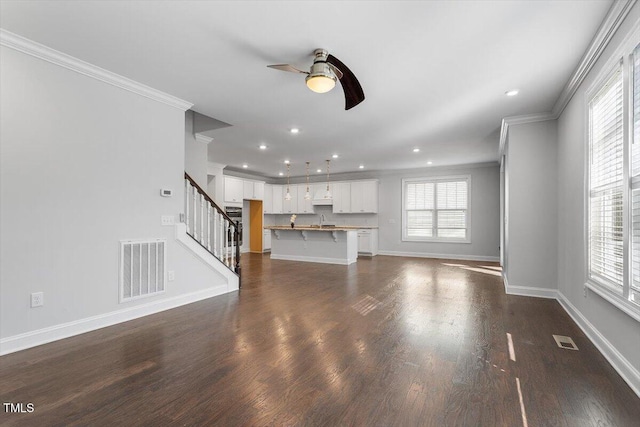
(434, 73)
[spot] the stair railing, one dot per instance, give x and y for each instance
(210, 226)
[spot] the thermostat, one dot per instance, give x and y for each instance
(165, 192)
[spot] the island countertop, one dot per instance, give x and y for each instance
(317, 227)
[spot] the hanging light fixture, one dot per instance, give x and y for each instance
(288, 195)
(327, 194)
(307, 195)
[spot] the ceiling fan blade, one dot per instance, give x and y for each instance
(287, 67)
(353, 93)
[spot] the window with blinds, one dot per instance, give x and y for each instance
(606, 183)
(436, 209)
(613, 225)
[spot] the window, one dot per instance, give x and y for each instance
(435, 209)
(613, 199)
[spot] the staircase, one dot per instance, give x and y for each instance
(209, 225)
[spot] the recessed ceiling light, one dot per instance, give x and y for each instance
(416, 150)
(429, 163)
(361, 167)
(319, 170)
(263, 147)
(245, 165)
(286, 162)
(294, 130)
(280, 173)
(512, 92)
(335, 156)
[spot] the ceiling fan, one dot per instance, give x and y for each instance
(324, 72)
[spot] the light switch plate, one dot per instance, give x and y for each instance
(171, 275)
(168, 220)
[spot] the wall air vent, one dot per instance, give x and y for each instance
(142, 268)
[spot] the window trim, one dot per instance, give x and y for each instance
(623, 53)
(436, 239)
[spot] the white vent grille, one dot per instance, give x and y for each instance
(142, 268)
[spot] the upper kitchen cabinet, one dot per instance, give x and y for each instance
(277, 195)
(267, 201)
(233, 190)
(290, 206)
(253, 190)
(364, 197)
(305, 206)
(341, 197)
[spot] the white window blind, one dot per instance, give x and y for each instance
(436, 209)
(606, 258)
(635, 176)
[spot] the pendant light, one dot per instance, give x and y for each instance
(288, 195)
(327, 194)
(307, 196)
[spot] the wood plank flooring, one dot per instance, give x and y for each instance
(387, 341)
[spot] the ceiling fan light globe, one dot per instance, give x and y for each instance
(320, 83)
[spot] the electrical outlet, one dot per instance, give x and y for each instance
(168, 220)
(37, 299)
(171, 275)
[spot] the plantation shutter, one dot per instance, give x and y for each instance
(452, 209)
(606, 260)
(419, 209)
(635, 176)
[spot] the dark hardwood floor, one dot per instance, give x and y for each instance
(386, 341)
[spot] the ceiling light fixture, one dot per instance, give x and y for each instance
(327, 194)
(245, 165)
(429, 162)
(288, 195)
(280, 173)
(361, 167)
(416, 150)
(307, 195)
(263, 147)
(513, 92)
(319, 171)
(335, 156)
(286, 162)
(321, 78)
(294, 130)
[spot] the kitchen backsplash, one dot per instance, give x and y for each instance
(370, 220)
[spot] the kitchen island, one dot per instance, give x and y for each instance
(328, 244)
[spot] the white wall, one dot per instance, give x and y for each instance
(195, 162)
(532, 206)
(82, 163)
(616, 333)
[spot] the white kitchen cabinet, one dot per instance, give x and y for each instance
(341, 192)
(290, 206)
(233, 190)
(253, 190)
(364, 197)
(277, 199)
(304, 206)
(266, 240)
(368, 241)
(267, 201)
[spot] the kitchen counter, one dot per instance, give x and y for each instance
(318, 228)
(329, 245)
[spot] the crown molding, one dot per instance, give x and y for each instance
(202, 138)
(520, 120)
(37, 50)
(609, 26)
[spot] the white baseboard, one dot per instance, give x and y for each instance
(441, 256)
(626, 370)
(340, 261)
(66, 330)
(529, 291)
